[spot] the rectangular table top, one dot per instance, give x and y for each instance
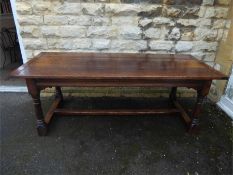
(66, 65)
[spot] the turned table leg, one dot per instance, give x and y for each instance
(34, 91)
(41, 125)
(58, 93)
(201, 94)
(194, 126)
(173, 93)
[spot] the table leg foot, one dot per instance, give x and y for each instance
(194, 127)
(42, 128)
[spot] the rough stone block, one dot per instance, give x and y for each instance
(209, 57)
(170, 11)
(174, 34)
(151, 8)
(144, 22)
(68, 8)
(125, 20)
(208, 2)
(161, 45)
(162, 20)
(101, 21)
(130, 32)
(102, 32)
(82, 20)
(221, 12)
(191, 12)
(187, 36)
(30, 19)
(74, 31)
(34, 43)
(69, 44)
(50, 31)
(216, 12)
(184, 46)
(210, 12)
(153, 33)
(24, 8)
(201, 12)
(164, 32)
(128, 45)
(220, 34)
(204, 46)
(59, 44)
(81, 44)
(219, 24)
(122, 9)
(101, 44)
(115, 1)
(30, 31)
(64, 31)
(150, 11)
(194, 22)
(55, 20)
(205, 34)
(42, 7)
(92, 9)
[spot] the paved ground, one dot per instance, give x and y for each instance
(112, 145)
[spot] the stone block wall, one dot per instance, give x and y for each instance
(158, 26)
(151, 26)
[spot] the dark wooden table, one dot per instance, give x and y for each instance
(116, 70)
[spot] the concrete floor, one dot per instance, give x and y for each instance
(112, 145)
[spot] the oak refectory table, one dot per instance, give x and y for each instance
(115, 70)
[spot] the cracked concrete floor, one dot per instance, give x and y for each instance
(112, 145)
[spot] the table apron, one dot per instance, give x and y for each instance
(118, 83)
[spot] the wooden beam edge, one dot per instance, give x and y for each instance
(115, 112)
(51, 110)
(184, 114)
